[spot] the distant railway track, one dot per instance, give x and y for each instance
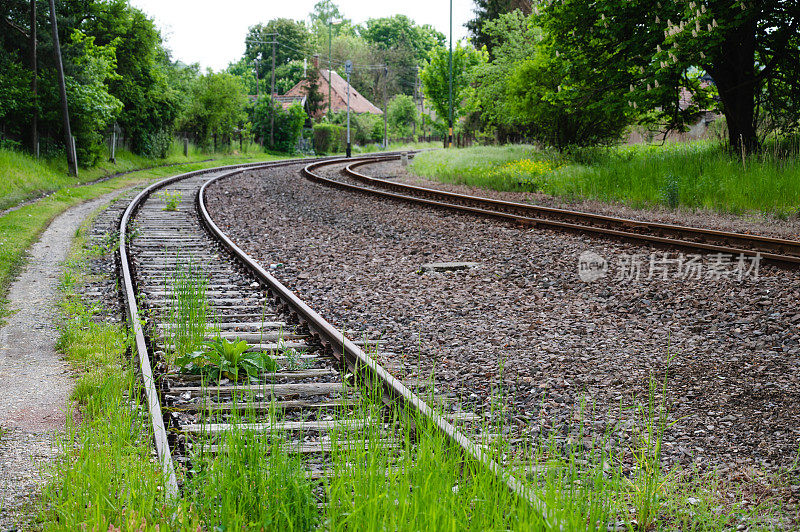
(249, 304)
(782, 252)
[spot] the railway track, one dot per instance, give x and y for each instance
(778, 251)
(310, 386)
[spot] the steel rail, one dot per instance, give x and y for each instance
(357, 360)
(777, 250)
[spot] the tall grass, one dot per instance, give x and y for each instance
(250, 482)
(188, 314)
(700, 174)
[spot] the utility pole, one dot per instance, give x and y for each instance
(34, 67)
(271, 97)
(385, 108)
(416, 82)
(258, 95)
(450, 84)
(72, 162)
(348, 69)
(330, 47)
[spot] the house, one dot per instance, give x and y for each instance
(338, 92)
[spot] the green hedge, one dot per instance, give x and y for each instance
(329, 138)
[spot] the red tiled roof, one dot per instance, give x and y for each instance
(358, 103)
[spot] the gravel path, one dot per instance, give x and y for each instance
(35, 381)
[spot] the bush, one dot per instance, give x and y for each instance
(152, 144)
(288, 124)
(329, 138)
(402, 115)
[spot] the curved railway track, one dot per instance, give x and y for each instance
(315, 362)
(778, 251)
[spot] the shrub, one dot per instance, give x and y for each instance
(329, 138)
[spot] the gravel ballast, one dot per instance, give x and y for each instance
(524, 318)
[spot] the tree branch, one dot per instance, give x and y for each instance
(14, 27)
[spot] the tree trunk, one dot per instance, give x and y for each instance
(735, 77)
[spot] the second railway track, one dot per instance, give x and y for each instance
(353, 176)
(309, 387)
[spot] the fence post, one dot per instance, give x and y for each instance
(185, 146)
(113, 158)
(74, 155)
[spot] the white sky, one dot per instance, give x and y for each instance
(212, 33)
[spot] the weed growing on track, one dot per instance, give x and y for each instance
(249, 481)
(188, 313)
(171, 200)
(697, 174)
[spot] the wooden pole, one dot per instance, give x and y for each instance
(34, 82)
(385, 108)
(271, 100)
(72, 164)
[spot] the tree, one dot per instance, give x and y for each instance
(314, 97)
(487, 11)
(217, 109)
(293, 44)
(649, 53)
(288, 124)
(92, 108)
(399, 31)
(402, 115)
(435, 76)
(401, 45)
(150, 104)
(527, 90)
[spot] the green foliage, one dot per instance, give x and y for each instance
(216, 111)
(435, 78)
(399, 32)
(402, 115)
(367, 128)
(116, 69)
(288, 124)
(314, 97)
(328, 138)
(252, 483)
(222, 358)
(144, 74)
(293, 38)
(645, 53)
(487, 11)
(91, 106)
(286, 76)
(530, 89)
(171, 200)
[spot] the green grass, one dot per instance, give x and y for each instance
(691, 175)
(106, 476)
(397, 146)
(19, 229)
(26, 178)
(189, 313)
